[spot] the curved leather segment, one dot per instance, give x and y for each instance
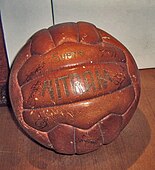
(74, 87)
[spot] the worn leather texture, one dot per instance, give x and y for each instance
(74, 87)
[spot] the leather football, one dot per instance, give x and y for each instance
(73, 87)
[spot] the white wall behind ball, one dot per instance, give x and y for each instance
(21, 19)
(131, 21)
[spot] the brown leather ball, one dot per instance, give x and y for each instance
(74, 87)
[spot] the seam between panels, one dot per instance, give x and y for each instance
(101, 132)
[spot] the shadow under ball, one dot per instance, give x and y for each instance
(73, 87)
